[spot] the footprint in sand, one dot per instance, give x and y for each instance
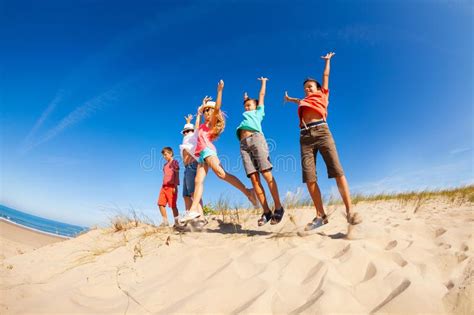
(461, 257)
(396, 292)
(449, 285)
(342, 252)
(313, 273)
(444, 246)
(370, 272)
(399, 260)
(439, 232)
(391, 245)
(464, 247)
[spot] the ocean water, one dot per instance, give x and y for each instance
(40, 224)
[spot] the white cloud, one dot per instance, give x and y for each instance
(27, 142)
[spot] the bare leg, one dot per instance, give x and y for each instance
(188, 201)
(257, 185)
(315, 194)
(175, 215)
(198, 185)
(343, 187)
(272, 185)
(214, 163)
(163, 213)
(200, 208)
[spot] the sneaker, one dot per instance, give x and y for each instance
(277, 216)
(264, 218)
(188, 216)
(316, 223)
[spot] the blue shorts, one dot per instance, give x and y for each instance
(189, 176)
(205, 153)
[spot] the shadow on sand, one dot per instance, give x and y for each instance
(222, 228)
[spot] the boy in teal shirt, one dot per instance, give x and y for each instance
(256, 157)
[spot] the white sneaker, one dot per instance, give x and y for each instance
(316, 223)
(188, 216)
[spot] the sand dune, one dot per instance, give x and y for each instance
(397, 261)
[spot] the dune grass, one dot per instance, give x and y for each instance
(459, 194)
(235, 213)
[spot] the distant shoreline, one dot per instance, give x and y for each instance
(62, 237)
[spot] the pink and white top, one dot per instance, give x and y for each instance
(203, 139)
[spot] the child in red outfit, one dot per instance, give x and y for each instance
(169, 190)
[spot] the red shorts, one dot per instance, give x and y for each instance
(168, 197)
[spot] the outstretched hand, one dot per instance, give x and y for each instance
(220, 85)
(188, 118)
(262, 79)
(286, 98)
(328, 56)
(204, 101)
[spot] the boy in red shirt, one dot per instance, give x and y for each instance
(169, 189)
(315, 137)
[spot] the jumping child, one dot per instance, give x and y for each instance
(256, 156)
(315, 136)
(206, 152)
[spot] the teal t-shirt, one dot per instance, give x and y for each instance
(252, 120)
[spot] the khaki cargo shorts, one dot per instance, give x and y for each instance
(318, 139)
(255, 154)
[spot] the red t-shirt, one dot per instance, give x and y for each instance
(171, 173)
(317, 102)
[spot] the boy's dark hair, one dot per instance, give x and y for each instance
(312, 80)
(251, 99)
(167, 149)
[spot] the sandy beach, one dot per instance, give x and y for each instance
(16, 240)
(405, 258)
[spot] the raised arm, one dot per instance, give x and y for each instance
(188, 118)
(291, 99)
(220, 88)
(327, 68)
(261, 95)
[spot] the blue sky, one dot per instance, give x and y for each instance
(92, 90)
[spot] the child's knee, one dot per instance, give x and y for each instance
(268, 176)
(220, 173)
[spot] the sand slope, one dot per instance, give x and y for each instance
(396, 261)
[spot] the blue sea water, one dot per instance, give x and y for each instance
(40, 224)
